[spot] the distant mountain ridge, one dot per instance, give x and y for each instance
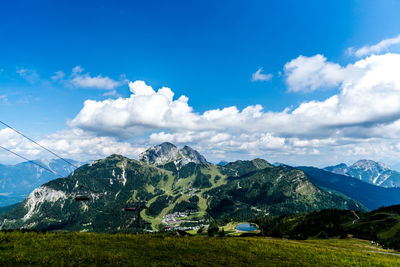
(369, 171)
(371, 196)
(17, 181)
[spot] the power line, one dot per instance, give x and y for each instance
(31, 161)
(33, 141)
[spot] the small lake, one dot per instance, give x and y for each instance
(246, 227)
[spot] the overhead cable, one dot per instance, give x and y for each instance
(31, 161)
(33, 141)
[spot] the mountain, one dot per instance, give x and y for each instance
(17, 181)
(272, 191)
(8, 208)
(167, 152)
(369, 195)
(369, 171)
(338, 169)
(176, 195)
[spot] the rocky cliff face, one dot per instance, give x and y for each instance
(192, 155)
(167, 152)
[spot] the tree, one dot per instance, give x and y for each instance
(221, 233)
(212, 229)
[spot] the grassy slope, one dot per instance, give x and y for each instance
(143, 250)
(185, 185)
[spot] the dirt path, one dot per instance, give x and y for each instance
(357, 217)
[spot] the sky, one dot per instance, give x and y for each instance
(299, 82)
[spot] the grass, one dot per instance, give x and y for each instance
(393, 230)
(66, 249)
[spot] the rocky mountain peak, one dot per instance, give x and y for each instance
(370, 164)
(167, 152)
(369, 171)
(193, 155)
(160, 154)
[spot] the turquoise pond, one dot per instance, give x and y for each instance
(246, 227)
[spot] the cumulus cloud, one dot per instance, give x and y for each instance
(368, 97)
(361, 119)
(306, 74)
(366, 109)
(71, 143)
(377, 48)
(259, 76)
(144, 110)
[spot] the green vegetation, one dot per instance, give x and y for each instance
(8, 208)
(381, 226)
(202, 180)
(240, 190)
(82, 249)
(271, 191)
(158, 205)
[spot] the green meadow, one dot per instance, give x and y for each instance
(82, 249)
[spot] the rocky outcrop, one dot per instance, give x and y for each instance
(167, 152)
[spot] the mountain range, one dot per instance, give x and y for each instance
(369, 171)
(17, 181)
(180, 188)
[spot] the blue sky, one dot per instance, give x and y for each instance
(205, 50)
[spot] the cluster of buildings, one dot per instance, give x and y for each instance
(174, 221)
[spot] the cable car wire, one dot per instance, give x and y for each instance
(48, 150)
(30, 139)
(31, 161)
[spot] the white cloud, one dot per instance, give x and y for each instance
(142, 111)
(362, 119)
(369, 95)
(377, 48)
(29, 75)
(58, 75)
(366, 109)
(86, 81)
(308, 74)
(72, 143)
(78, 78)
(77, 70)
(259, 76)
